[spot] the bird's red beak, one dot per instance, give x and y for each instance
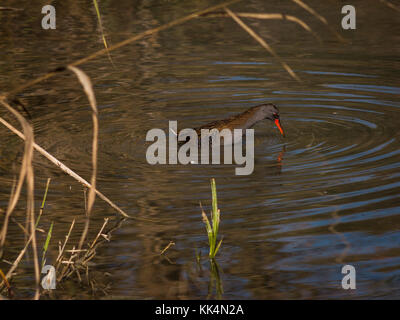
(278, 124)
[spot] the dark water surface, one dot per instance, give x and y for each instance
(288, 228)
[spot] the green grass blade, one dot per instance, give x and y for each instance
(46, 244)
(216, 249)
(214, 215)
(208, 229)
(43, 202)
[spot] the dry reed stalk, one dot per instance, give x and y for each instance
(15, 193)
(67, 264)
(6, 222)
(10, 9)
(61, 251)
(320, 18)
(99, 233)
(26, 232)
(26, 172)
(88, 88)
(96, 6)
(8, 286)
(75, 262)
(262, 43)
(390, 5)
(3, 232)
(171, 243)
(270, 16)
(76, 250)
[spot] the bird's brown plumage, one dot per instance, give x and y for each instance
(234, 122)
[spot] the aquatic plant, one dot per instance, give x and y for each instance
(212, 228)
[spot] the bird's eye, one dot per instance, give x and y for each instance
(276, 116)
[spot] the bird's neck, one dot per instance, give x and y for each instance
(251, 117)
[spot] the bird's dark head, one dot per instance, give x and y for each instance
(270, 111)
